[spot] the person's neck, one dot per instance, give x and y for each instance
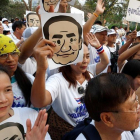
(110, 44)
(17, 35)
(79, 77)
(107, 133)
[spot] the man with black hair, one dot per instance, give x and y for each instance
(113, 107)
(18, 28)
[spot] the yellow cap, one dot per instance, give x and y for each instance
(7, 45)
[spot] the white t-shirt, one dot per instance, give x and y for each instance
(19, 100)
(20, 116)
(29, 66)
(66, 102)
(14, 38)
(95, 58)
(126, 135)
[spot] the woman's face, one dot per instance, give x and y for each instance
(6, 96)
(137, 55)
(81, 67)
(136, 82)
(10, 62)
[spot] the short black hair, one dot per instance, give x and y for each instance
(105, 93)
(61, 18)
(98, 22)
(114, 26)
(132, 68)
(17, 24)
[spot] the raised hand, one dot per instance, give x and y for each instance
(40, 129)
(42, 51)
(93, 40)
(100, 7)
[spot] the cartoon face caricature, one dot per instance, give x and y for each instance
(48, 3)
(33, 20)
(11, 131)
(66, 33)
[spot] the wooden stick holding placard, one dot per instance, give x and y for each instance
(136, 26)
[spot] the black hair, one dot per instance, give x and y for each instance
(11, 124)
(17, 24)
(98, 22)
(0, 18)
(105, 93)
(113, 27)
(132, 68)
(24, 84)
(5, 70)
(6, 32)
(12, 20)
(61, 18)
(128, 33)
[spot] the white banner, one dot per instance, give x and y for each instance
(133, 11)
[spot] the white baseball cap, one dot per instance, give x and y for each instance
(4, 19)
(111, 32)
(98, 28)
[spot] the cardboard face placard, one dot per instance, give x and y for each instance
(45, 5)
(77, 11)
(32, 19)
(65, 30)
(11, 131)
(133, 11)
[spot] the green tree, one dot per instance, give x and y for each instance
(14, 9)
(113, 13)
(3, 4)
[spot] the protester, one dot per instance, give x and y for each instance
(64, 95)
(13, 118)
(21, 82)
(115, 113)
(18, 28)
(113, 48)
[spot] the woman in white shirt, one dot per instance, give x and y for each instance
(65, 89)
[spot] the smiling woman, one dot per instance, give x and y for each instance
(9, 55)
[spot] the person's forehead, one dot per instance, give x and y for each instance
(112, 35)
(103, 32)
(131, 99)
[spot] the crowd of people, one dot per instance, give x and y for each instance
(96, 99)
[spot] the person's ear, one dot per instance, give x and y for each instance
(80, 44)
(107, 118)
(17, 29)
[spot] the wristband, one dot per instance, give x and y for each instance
(95, 14)
(100, 50)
